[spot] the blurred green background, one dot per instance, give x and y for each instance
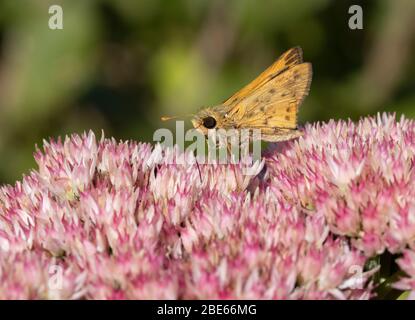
(120, 65)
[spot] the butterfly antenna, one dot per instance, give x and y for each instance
(165, 118)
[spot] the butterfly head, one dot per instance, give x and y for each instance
(207, 119)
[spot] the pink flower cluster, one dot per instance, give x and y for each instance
(121, 220)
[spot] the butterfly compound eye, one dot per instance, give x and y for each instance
(209, 122)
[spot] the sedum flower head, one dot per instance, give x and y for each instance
(101, 219)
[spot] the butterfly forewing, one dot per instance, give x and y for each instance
(286, 60)
(273, 105)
